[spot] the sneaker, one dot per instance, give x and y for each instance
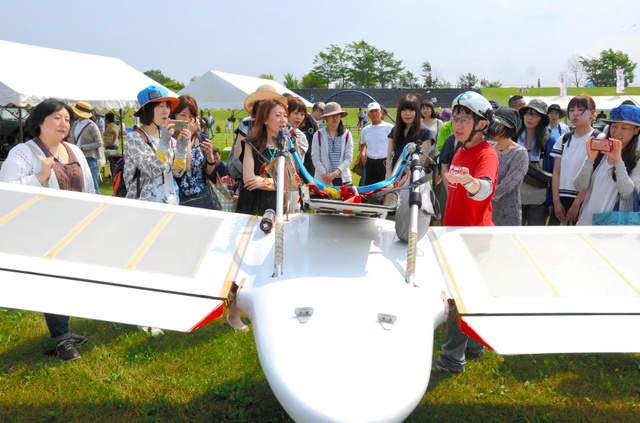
(472, 355)
(66, 350)
(150, 330)
(78, 339)
(440, 366)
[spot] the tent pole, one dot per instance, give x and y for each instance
(121, 116)
(20, 125)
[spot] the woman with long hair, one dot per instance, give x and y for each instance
(257, 190)
(408, 129)
(611, 176)
(534, 136)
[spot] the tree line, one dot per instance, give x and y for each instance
(359, 64)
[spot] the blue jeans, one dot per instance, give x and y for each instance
(95, 172)
(453, 350)
(58, 326)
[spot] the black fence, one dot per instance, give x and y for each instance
(387, 97)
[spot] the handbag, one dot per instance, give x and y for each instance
(617, 217)
(536, 177)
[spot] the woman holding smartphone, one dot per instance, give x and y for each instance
(194, 189)
(611, 176)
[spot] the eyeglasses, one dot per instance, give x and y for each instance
(461, 120)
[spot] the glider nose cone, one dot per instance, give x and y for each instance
(331, 356)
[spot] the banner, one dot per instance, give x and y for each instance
(563, 85)
(619, 81)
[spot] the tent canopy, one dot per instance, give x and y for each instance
(602, 102)
(30, 74)
(222, 90)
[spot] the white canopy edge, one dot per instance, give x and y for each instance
(30, 74)
(224, 90)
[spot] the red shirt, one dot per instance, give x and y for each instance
(462, 210)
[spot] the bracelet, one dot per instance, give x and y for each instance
(210, 163)
(468, 185)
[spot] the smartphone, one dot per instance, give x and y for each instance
(455, 170)
(178, 125)
(602, 145)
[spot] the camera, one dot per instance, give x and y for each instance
(602, 145)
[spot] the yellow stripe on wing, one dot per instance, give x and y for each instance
(232, 271)
(22, 207)
(148, 242)
(75, 231)
(535, 264)
(442, 258)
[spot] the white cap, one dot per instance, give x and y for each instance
(373, 106)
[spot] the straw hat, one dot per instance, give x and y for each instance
(263, 92)
(82, 109)
(333, 108)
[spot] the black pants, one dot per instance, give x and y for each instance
(375, 171)
(566, 203)
(534, 215)
(58, 326)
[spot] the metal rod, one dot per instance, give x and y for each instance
(415, 204)
(279, 242)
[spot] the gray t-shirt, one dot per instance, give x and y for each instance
(507, 210)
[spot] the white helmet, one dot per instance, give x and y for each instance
(474, 102)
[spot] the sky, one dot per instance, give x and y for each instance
(515, 42)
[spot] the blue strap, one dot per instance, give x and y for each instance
(636, 202)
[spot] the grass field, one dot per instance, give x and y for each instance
(214, 375)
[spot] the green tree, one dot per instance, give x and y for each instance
(266, 76)
(290, 81)
(162, 79)
(427, 75)
(485, 83)
(602, 71)
(467, 81)
(387, 68)
(407, 79)
(362, 58)
(313, 80)
(331, 66)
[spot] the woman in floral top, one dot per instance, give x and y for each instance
(150, 150)
(194, 190)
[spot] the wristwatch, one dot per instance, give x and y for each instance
(468, 185)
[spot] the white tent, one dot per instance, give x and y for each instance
(602, 102)
(30, 74)
(222, 90)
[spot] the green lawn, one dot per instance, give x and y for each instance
(214, 375)
(501, 95)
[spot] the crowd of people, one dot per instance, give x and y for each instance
(491, 165)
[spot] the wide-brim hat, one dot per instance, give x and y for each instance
(557, 108)
(263, 92)
(508, 117)
(82, 109)
(332, 108)
(625, 114)
(156, 94)
(538, 106)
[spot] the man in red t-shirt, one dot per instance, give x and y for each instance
(471, 179)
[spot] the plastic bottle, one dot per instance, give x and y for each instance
(162, 153)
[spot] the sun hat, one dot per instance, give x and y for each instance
(155, 94)
(508, 117)
(82, 109)
(625, 114)
(557, 108)
(333, 108)
(537, 106)
(263, 92)
(373, 106)
(445, 114)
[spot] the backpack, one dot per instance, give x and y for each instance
(566, 138)
(118, 186)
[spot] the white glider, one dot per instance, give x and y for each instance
(340, 335)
